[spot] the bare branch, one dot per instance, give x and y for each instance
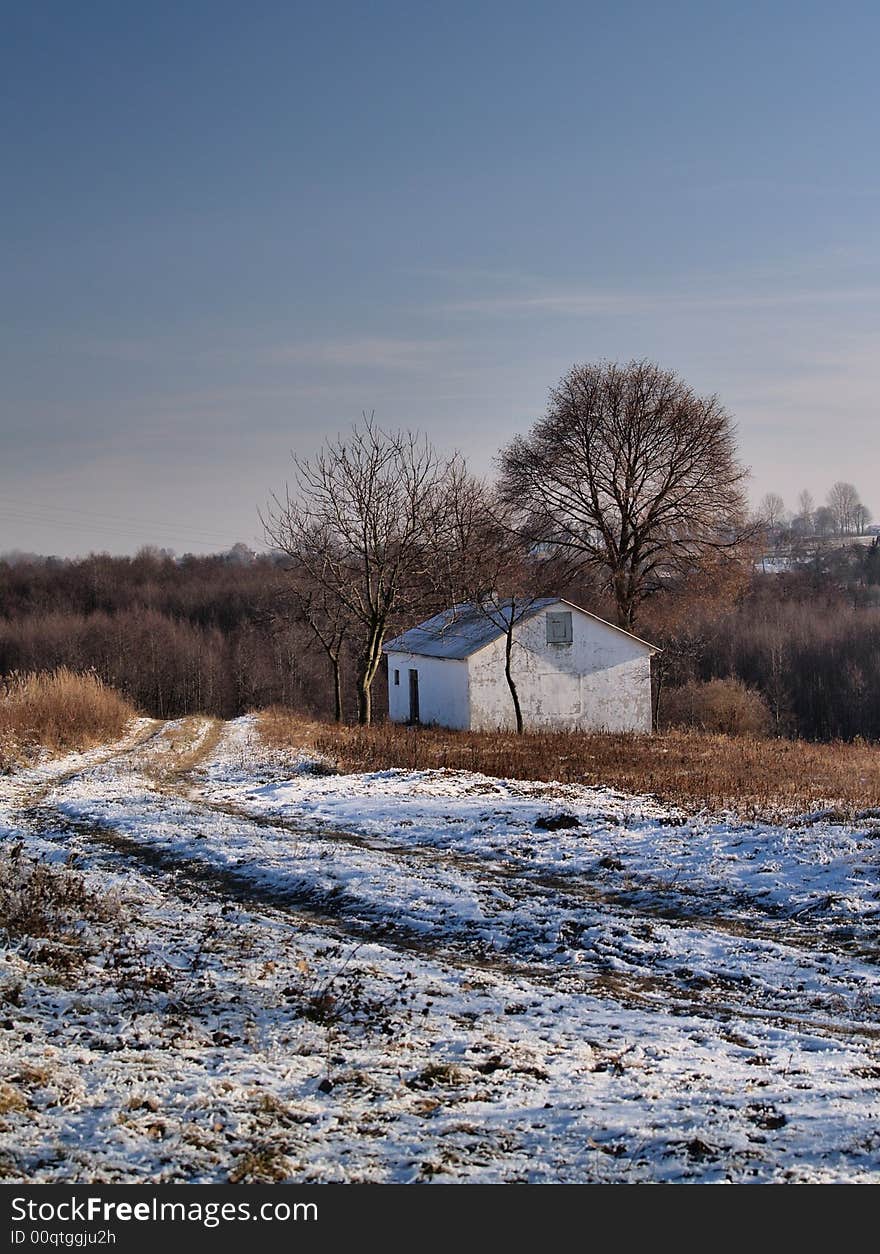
(363, 529)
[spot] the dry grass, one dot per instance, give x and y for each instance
(755, 776)
(10, 1099)
(193, 740)
(281, 729)
(58, 710)
(42, 899)
(264, 1164)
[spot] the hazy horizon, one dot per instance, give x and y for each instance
(227, 232)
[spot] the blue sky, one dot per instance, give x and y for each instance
(229, 228)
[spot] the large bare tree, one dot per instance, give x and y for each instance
(771, 510)
(363, 526)
(633, 474)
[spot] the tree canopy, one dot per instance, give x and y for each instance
(631, 472)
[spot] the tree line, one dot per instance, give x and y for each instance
(806, 640)
(844, 514)
(177, 636)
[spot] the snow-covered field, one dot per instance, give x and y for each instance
(268, 971)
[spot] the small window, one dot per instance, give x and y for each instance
(559, 627)
(397, 679)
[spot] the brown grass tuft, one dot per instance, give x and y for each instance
(58, 710)
(263, 1164)
(10, 1099)
(753, 775)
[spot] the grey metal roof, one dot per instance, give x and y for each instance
(465, 629)
(460, 631)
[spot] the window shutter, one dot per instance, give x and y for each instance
(559, 627)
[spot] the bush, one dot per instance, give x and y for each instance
(58, 710)
(721, 705)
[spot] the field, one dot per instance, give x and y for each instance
(251, 951)
(755, 776)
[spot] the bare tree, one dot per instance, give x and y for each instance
(771, 510)
(330, 622)
(843, 501)
(806, 508)
(362, 526)
(861, 517)
(823, 520)
(631, 472)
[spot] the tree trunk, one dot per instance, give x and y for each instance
(369, 666)
(365, 702)
(337, 689)
(625, 598)
(365, 679)
(508, 650)
(626, 615)
(658, 673)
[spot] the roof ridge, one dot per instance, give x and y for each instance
(452, 635)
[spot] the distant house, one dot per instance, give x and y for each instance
(571, 670)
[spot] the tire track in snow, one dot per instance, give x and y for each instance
(350, 916)
(34, 784)
(677, 909)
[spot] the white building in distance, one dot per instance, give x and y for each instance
(571, 670)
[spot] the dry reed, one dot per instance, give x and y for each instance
(57, 710)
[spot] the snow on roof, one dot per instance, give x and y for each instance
(465, 629)
(460, 631)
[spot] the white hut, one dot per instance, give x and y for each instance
(571, 670)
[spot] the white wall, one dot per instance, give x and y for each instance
(443, 689)
(601, 681)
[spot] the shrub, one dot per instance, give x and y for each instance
(720, 705)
